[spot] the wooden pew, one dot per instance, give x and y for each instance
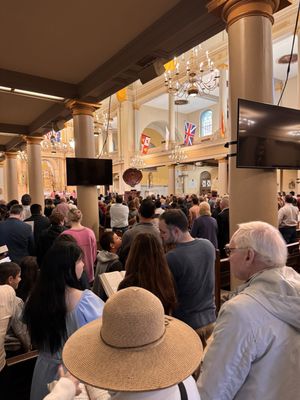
(20, 370)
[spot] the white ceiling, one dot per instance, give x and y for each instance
(195, 103)
(280, 48)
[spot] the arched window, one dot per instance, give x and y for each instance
(206, 123)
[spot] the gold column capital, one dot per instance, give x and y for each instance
(222, 160)
(11, 154)
(233, 10)
(82, 108)
(33, 139)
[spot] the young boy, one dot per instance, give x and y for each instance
(16, 338)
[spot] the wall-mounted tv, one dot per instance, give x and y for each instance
(88, 171)
(268, 136)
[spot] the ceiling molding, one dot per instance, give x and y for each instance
(14, 143)
(55, 112)
(18, 80)
(11, 128)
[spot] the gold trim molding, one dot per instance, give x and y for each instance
(33, 139)
(11, 154)
(82, 108)
(233, 10)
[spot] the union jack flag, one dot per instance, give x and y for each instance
(189, 133)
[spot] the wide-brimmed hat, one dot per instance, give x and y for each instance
(134, 347)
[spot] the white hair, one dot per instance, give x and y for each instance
(265, 240)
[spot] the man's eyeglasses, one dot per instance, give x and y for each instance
(229, 250)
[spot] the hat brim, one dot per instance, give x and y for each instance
(153, 367)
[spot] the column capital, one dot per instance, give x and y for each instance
(33, 139)
(11, 154)
(222, 160)
(82, 108)
(232, 10)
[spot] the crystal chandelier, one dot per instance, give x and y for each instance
(200, 77)
(137, 162)
(177, 154)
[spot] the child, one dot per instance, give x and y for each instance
(17, 339)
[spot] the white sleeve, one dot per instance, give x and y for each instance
(64, 389)
(228, 358)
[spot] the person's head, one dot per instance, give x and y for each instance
(63, 200)
(10, 274)
(172, 225)
(195, 200)
(26, 199)
(49, 203)
(110, 241)
(16, 211)
(74, 215)
(147, 267)
(204, 208)
(56, 218)
(256, 246)
(46, 309)
(157, 203)
(36, 209)
(11, 203)
(119, 199)
(224, 203)
(29, 271)
(147, 209)
(292, 193)
(134, 338)
(289, 199)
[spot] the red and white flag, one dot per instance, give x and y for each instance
(145, 143)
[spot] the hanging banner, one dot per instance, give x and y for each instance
(54, 136)
(145, 143)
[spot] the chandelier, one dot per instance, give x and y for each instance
(22, 155)
(177, 154)
(137, 162)
(200, 77)
(52, 141)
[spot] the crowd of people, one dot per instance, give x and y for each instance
(147, 340)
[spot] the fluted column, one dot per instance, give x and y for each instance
(171, 179)
(223, 95)
(34, 166)
(83, 117)
(222, 176)
(11, 176)
(172, 138)
(2, 180)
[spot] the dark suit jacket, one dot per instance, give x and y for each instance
(18, 238)
(40, 223)
(223, 229)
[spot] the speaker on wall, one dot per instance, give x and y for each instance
(152, 71)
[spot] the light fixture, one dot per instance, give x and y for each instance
(22, 155)
(137, 162)
(177, 154)
(200, 77)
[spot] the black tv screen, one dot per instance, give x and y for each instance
(89, 171)
(268, 136)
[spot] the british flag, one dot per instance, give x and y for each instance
(189, 133)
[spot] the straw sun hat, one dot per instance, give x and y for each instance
(134, 347)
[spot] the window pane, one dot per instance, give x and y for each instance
(206, 123)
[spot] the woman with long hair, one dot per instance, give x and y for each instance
(57, 308)
(85, 238)
(147, 267)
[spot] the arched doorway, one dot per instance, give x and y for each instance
(205, 182)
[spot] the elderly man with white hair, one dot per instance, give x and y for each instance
(255, 352)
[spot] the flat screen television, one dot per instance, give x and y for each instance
(268, 136)
(88, 171)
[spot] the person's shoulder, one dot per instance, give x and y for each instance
(7, 292)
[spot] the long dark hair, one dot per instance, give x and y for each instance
(29, 274)
(147, 267)
(46, 310)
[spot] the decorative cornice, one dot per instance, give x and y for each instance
(11, 154)
(82, 108)
(33, 139)
(233, 10)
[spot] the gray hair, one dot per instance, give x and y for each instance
(265, 240)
